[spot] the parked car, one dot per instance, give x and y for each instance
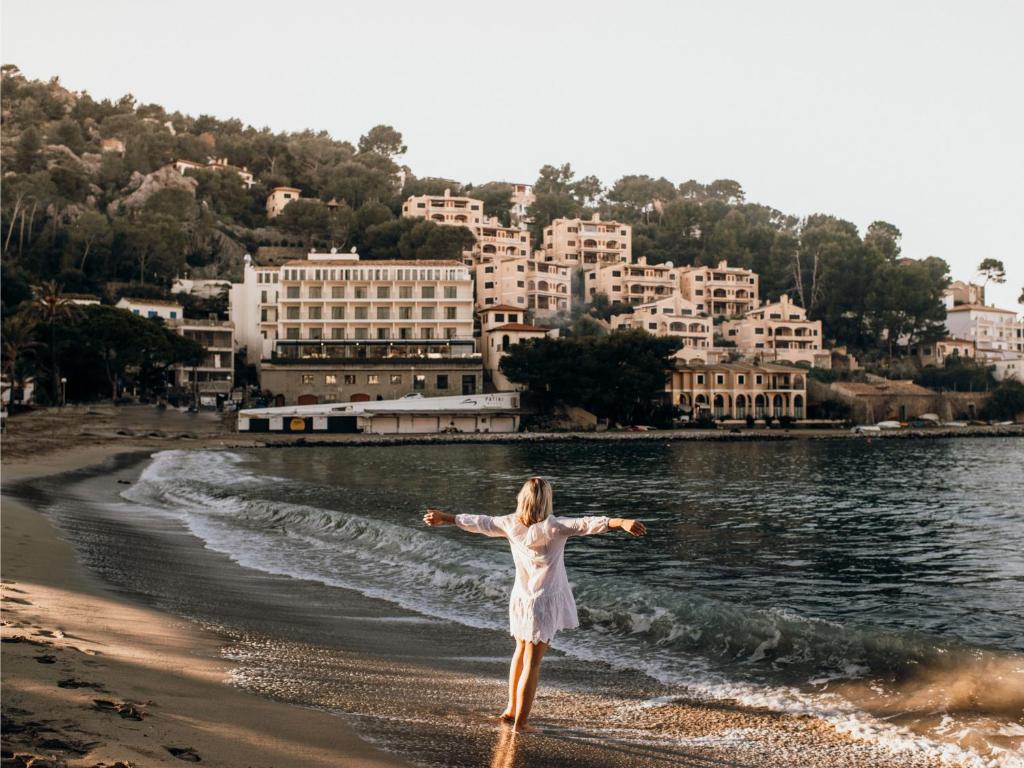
(866, 429)
(888, 425)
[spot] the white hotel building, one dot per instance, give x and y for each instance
(332, 327)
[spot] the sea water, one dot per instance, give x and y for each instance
(879, 585)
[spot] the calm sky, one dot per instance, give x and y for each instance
(911, 112)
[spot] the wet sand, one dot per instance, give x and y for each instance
(90, 678)
(425, 688)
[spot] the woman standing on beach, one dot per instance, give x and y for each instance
(542, 601)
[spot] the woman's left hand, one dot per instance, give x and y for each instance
(634, 527)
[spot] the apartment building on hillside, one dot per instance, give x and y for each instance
(721, 291)
(526, 283)
(588, 242)
(779, 331)
(632, 283)
(672, 316)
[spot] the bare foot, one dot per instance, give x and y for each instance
(507, 716)
(522, 728)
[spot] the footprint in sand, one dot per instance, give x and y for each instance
(187, 754)
(125, 709)
(46, 658)
(60, 745)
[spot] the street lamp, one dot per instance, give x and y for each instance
(63, 391)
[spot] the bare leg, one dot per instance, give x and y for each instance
(532, 657)
(513, 681)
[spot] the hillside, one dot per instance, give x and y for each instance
(91, 198)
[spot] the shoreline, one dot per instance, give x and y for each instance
(53, 432)
(70, 641)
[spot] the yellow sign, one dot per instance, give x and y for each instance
(297, 425)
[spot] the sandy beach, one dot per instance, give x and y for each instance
(91, 679)
(93, 675)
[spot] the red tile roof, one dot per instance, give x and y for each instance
(503, 308)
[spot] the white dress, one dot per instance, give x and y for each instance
(542, 601)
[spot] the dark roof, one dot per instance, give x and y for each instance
(519, 327)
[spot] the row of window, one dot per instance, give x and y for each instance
(419, 380)
(364, 333)
(363, 313)
(363, 292)
(741, 378)
(377, 273)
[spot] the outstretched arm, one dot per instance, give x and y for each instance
(630, 526)
(484, 524)
(586, 526)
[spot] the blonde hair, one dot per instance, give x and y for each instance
(534, 502)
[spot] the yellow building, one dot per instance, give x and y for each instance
(936, 353)
(588, 242)
(502, 327)
(279, 197)
(446, 209)
(779, 331)
(672, 316)
(494, 240)
(637, 283)
(738, 390)
(721, 291)
(526, 283)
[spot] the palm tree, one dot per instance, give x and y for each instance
(18, 339)
(49, 305)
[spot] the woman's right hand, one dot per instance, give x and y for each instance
(436, 517)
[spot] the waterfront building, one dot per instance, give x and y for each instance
(279, 197)
(497, 412)
(779, 331)
(523, 282)
(332, 327)
(502, 327)
(636, 283)
(721, 291)
(215, 374)
(166, 310)
(252, 307)
(738, 390)
(672, 316)
(588, 242)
